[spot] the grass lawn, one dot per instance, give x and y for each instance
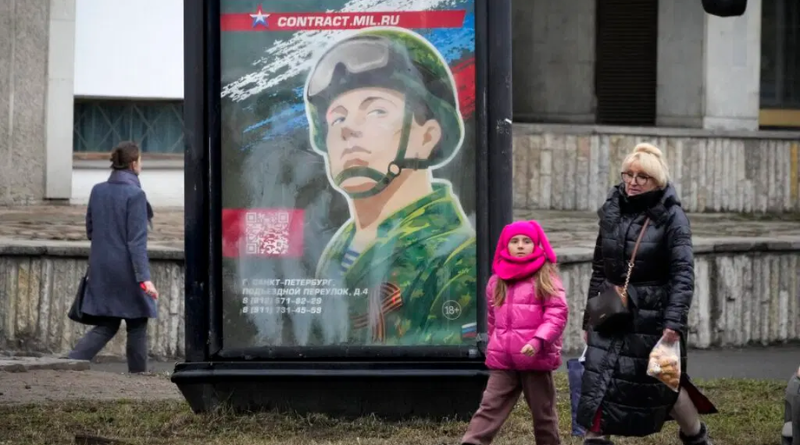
(751, 413)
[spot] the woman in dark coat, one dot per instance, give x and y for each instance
(119, 286)
(617, 395)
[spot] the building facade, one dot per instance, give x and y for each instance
(657, 63)
(77, 76)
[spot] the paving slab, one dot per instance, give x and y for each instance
(579, 229)
(778, 362)
(28, 363)
(753, 362)
(45, 386)
(67, 223)
(110, 381)
(564, 228)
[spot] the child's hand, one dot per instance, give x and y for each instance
(528, 350)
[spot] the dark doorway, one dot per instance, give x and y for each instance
(627, 58)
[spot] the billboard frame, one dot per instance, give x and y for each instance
(208, 366)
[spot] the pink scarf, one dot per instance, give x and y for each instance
(511, 268)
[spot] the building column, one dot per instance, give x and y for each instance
(60, 99)
(733, 70)
(679, 91)
(23, 93)
(708, 67)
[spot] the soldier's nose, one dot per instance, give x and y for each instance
(348, 132)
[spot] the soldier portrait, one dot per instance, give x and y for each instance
(382, 108)
(348, 166)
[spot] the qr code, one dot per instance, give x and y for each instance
(267, 233)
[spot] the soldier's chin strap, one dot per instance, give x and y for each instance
(382, 180)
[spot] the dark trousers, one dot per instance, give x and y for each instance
(502, 393)
(136, 348)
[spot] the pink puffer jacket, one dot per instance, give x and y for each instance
(524, 318)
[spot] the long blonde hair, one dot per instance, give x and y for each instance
(544, 279)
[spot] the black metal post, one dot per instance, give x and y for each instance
(213, 169)
(482, 201)
(195, 167)
(500, 119)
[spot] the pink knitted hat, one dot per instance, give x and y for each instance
(509, 267)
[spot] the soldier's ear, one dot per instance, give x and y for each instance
(431, 136)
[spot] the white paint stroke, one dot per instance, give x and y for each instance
(288, 58)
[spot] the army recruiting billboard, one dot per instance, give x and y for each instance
(348, 173)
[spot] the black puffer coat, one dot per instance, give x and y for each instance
(615, 379)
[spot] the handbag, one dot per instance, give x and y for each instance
(609, 308)
(76, 310)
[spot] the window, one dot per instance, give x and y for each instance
(157, 126)
(780, 63)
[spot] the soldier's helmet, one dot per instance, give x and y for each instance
(396, 59)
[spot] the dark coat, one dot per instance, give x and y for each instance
(116, 223)
(615, 380)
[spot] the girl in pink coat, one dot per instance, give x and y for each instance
(527, 314)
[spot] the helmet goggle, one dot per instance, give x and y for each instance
(358, 56)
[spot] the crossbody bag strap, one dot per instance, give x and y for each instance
(633, 256)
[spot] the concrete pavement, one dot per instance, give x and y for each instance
(67, 223)
(772, 363)
(25, 364)
(564, 228)
(776, 362)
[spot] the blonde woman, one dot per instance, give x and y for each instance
(617, 395)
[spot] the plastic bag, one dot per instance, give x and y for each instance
(575, 377)
(665, 363)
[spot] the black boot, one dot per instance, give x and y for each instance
(700, 438)
(597, 441)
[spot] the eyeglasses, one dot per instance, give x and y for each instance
(628, 177)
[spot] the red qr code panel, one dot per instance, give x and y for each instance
(262, 232)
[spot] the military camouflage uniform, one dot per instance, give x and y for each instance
(423, 258)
